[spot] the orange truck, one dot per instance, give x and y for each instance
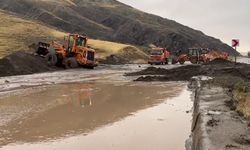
(72, 54)
(159, 56)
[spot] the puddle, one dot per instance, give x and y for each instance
(97, 116)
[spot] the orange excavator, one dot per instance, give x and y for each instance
(72, 54)
(199, 55)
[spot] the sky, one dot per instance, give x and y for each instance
(222, 19)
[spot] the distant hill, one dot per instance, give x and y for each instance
(112, 20)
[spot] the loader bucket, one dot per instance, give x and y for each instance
(43, 49)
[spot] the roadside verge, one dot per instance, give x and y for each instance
(215, 124)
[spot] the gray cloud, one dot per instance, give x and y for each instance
(223, 19)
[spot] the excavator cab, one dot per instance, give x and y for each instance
(197, 52)
(73, 41)
(81, 41)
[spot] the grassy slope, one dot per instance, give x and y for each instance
(242, 97)
(17, 34)
(106, 48)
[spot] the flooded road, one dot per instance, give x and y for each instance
(115, 114)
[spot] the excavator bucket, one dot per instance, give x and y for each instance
(43, 49)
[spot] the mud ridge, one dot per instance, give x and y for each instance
(216, 68)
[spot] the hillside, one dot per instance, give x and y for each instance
(18, 34)
(117, 53)
(112, 20)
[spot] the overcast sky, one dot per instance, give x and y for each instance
(223, 19)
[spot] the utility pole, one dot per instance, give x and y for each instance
(235, 57)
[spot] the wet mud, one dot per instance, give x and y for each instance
(216, 68)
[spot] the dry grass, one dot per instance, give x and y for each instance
(105, 48)
(242, 97)
(17, 34)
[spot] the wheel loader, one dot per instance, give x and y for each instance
(199, 55)
(72, 54)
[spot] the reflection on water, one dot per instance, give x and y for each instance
(96, 116)
(80, 95)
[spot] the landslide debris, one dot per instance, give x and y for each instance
(20, 63)
(217, 68)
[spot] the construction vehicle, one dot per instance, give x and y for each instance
(159, 56)
(72, 54)
(199, 55)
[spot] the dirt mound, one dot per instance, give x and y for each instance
(175, 74)
(128, 55)
(113, 60)
(220, 61)
(148, 71)
(185, 73)
(20, 63)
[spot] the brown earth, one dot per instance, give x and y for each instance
(217, 68)
(20, 63)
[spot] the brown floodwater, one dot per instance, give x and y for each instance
(94, 116)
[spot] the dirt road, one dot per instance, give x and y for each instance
(100, 109)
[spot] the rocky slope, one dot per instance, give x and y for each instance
(112, 20)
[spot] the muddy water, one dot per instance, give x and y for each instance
(94, 116)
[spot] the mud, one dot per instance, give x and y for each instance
(96, 115)
(216, 68)
(20, 63)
